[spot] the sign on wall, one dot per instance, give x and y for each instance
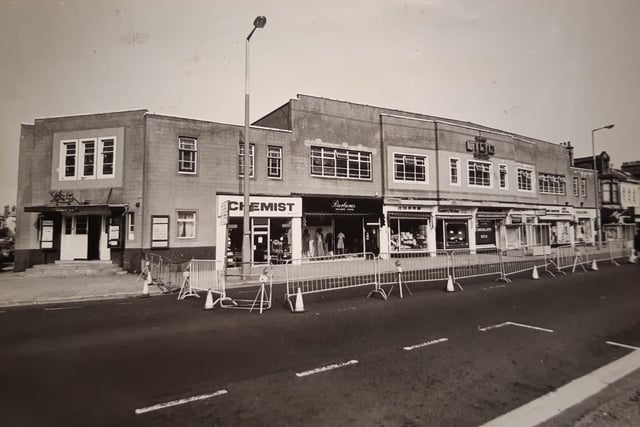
(46, 236)
(159, 232)
(114, 236)
(267, 207)
(486, 232)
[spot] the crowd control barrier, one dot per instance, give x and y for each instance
(519, 260)
(164, 273)
(484, 262)
(341, 272)
(412, 269)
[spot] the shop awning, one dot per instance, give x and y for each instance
(400, 215)
(72, 208)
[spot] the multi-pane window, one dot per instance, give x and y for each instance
(252, 149)
(576, 190)
(525, 179)
(583, 187)
(610, 192)
(340, 163)
(186, 224)
(454, 171)
(479, 173)
(107, 163)
(409, 168)
(503, 176)
(187, 155)
(551, 184)
(89, 158)
(274, 161)
(131, 223)
(70, 149)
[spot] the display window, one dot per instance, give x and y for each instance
(452, 234)
(408, 234)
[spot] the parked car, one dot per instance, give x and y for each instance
(6, 252)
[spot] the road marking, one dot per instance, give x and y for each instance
(179, 402)
(496, 286)
(424, 344)
(522, 325)
(75, 307)
(124, 303)
(346, 309)
(326, 368)
(551, 404)
(617, 344)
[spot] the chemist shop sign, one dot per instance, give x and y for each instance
(267, 207)
(486, 232)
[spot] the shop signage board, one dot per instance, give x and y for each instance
(486, 232)
(342, 206)
(46, 238)
(267, 207)
(159, 232)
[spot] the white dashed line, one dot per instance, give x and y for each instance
(494, 287)
(62, 308)
(179, 402)
(500, 325)
(326, 368)
(617, 344)
(424, 344)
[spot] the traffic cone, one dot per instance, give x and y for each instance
(450, 287)
(535, 275)
(208, 304)
(594, 265)
(299, 308)
(145, 286)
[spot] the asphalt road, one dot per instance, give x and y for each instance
(111, 363)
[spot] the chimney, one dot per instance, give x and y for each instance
(569, 148)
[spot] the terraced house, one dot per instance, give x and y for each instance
(326, 177)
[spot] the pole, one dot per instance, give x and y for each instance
(595, 188)
(246, 236)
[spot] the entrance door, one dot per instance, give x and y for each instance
(73, 244)
(93, 237)
(372, 238)
(260, 235)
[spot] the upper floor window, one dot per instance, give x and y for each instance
(454, 171)
(87, 158)
(576, 190)
(525, 179)
(187, 155)
(503, 177)
(409, 168)
(131, 225)
(252, 149)
(479, 173)
(610, 192)
(583, 187)
(340, 163)
(186, 225)
(551, 184)
(274, 161)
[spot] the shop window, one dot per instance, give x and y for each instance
(583, 187)
(551, 184)
(186, 225)
(525, 179)
(252, 149)
(454, 171)
(503, 177)
(576, 191)
(274, 161)
(107, 159)
(340, 163)
(187, 155)
(479, 174)
(451, 234)
(409, 168)
(408, 234)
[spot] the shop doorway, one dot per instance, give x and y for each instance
(260, 233)
(351, 227)
(93, 237)
(81, 237)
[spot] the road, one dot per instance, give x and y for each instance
(121, 362)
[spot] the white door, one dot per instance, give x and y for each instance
(74, 240)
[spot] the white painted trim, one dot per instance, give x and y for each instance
(459, 164)
(402, 181)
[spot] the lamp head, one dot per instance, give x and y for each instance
(260, 21)
(609, 126)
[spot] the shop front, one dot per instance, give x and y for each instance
(520, 229)
(274, 228)
(409, 229)
(560, 221)
(584, 226)
(337, 225)
(453, 229)
(488, 226)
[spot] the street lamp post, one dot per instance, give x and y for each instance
(259, 22)
(595, 184)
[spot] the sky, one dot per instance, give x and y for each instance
(547, 69)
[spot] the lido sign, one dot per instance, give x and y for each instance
(261, 206)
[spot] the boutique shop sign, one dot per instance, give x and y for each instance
(268, 207)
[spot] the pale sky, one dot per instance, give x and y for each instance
(548, 69)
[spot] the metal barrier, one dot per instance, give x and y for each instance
(567, 256)
(340, 272)
(165, 273)
(516, 261)
(484, 262)
(411, 269)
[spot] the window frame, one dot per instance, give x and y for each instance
(62, 169)
(252, 158)
(277, 159)
(417, 158)
(101, 153)
(330, 157)
(501, 167)
(180, 221)
(183, 150)
(553, 184)
(81, 160)
(470, 176)
(131, 225)
(583, 187)
(520, 173)
(576, 186)
(455, 161)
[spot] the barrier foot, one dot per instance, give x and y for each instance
(614, 262)
(503, 279)
(459, 286)
(381, 292)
